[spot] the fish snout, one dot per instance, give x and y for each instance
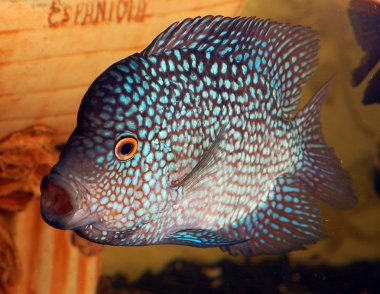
(56, 200)
(59, 204)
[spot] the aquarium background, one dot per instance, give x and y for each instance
(48, 61)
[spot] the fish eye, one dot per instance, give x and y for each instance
(126, 148)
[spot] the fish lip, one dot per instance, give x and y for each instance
(101, 227)
(61, 181)
(81, 218)
(97, 229)
(78, 217)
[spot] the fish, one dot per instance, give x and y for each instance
(376, 171)
(197, 140)
(365, 19)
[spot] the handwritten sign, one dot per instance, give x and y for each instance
(95, 12)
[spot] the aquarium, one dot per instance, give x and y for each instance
(220, 192)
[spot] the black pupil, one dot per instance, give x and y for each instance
(126, 148)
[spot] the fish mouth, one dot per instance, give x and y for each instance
(60, 203)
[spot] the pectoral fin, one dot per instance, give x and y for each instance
(212, 160)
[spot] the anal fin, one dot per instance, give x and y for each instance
(200, 238)
(286, 220)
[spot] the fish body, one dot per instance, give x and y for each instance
(365, 20)
(195, 141)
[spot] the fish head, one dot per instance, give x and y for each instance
(112, 175)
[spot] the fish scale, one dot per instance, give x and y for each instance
(221, 158)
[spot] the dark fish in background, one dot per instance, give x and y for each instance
(376, 172)
(365, 20)
(196, 141)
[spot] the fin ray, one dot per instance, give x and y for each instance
(207, 165)
(320, 168)
(287, 220)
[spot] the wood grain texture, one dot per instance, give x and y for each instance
(51, 50)
(50, 263)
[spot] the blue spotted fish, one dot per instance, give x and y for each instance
(196, 141)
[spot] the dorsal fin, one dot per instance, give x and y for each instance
(201, 34)
(284, 54)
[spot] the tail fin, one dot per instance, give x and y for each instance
(319, 167)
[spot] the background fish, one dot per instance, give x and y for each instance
(194, 141)
(365, 20)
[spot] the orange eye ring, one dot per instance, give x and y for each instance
(126, 148)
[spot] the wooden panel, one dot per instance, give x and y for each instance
(49, 262)
(51, 50)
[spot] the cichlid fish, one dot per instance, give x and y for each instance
(195, 141)
(365, 20)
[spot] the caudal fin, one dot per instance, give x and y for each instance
(319, 168)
